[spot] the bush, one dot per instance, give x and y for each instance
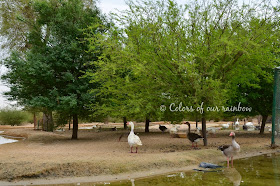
(13, 117)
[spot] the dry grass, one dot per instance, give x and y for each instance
(55, 155)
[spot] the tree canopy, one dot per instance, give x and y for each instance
(150, 61)
(48, 75)
(164, 53)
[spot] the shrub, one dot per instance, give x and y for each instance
(13, 117)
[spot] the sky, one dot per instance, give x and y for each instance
(111, 5)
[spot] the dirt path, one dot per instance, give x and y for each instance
(45, 157)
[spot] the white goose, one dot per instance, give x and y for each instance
(225, 126)
(174, 129)
(249, 126)
(213, 130)
(133, 140)
(236, 124)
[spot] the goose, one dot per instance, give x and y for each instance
(199, 130)
(193, 137)
(225, 126)
(162, 128)
(212, 130)
(249, 126)
(236, 124)
(133, 140)
(174, 129)
(230, 150)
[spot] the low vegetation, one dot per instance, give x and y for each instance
(14, 117)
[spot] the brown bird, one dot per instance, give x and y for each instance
(193, 137)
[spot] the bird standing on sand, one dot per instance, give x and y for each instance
(174, 129)
(230, 150)
(162, 128)
(225, 126)
(133, 140)
(236, 124)
(193, 137)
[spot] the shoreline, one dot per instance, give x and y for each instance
(126, 176)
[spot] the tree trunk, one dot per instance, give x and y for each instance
(264, 118)
(196, 123)
(47, 121)
(75, 127)
(70, 123)
(124, 123)
(34, 120)
(147, 125)
(204, 131)
(259, 119)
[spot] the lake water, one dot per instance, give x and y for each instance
(4, 140)
(260, 170)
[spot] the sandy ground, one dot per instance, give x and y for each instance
(46, 157)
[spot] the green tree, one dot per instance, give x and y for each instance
(51, 72)
(258, 95)
(194, 54)
(229, 44)
(134, 71)
(12, 13)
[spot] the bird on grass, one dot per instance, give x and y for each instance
(193, 137)
(133, 140)
(230, 150)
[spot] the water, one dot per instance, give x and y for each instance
(260, 170)
(6, 140)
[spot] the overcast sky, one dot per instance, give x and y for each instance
(111, 5)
